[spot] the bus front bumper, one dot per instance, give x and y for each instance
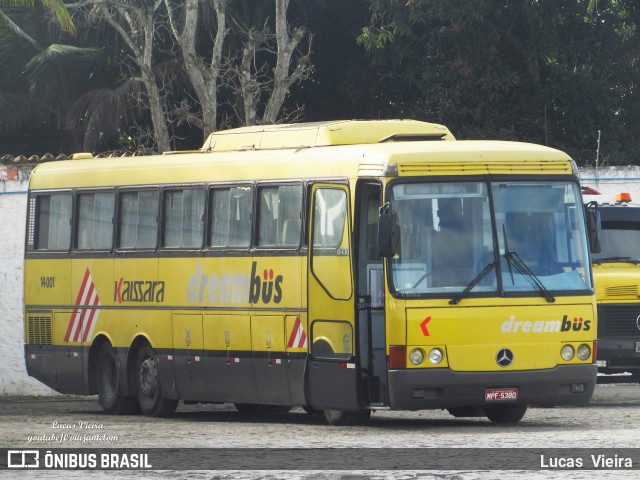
(414, 389)
(619, 354)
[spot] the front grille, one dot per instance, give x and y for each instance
(39, 329)
(618, 321)
(621, 290)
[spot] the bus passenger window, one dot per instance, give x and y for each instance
(279, 216)
(183, 213)
(95, 221)
(138, 219)
(230, 216)
(53, 222)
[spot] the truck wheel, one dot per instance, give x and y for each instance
(149, 384)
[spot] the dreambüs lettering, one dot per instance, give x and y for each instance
(545, 326)
(142, 291)
(235, 288)
(268, 285)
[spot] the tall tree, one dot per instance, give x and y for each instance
(204, 71)
(136, 22)
(253, 60)
(538, 70)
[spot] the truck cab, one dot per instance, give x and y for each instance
(616, 272)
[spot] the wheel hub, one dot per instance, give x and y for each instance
(148, 377)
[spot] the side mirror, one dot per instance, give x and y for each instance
(388, 232)
(593, 227)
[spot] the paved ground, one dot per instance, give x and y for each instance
(610, 421)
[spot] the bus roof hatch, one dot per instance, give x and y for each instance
(321, 134)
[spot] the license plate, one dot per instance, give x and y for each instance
(637, 347)
(500, 394)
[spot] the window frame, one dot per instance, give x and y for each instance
(162, 221)
(33, 224)
(256, 222)
(210, 211)
(76, 219)
(118, 227)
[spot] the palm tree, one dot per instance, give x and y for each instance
(57, 8)
(40, 80)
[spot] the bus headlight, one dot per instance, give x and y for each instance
(416, 356)
(567, 353)
(584, 352)
(435, 356)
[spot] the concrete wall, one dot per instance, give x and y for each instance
(612, 180)
(13, 205)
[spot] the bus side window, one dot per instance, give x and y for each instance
(52, 222)
(138, 219)
(183, 218)
(230, 217)
(279, 216)
(95, 221)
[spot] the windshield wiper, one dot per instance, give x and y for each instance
(523, 268)
(616, 259)
(477, 279)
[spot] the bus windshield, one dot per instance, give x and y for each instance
(489, 238)
(620, 241)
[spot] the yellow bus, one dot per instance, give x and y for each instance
(343, 267)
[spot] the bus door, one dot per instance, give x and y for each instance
(372, 351)
(331, 374)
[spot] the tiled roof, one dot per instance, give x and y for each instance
(23, 159)
(30, 161)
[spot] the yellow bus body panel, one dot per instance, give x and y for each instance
(473, 335)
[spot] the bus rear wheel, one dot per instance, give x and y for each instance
(344, 418)
(149, 385)
(505, 413)
(108, 380)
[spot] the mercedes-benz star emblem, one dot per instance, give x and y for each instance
(504, 357)
(638, 322)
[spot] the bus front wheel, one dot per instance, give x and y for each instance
(109, 384)
(149, 385)
(344, 417)
(505, 413)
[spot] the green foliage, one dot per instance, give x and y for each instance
(548, 71)
(57, 8)
(41, 79)
(545, 71)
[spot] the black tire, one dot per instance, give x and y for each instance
(149, 385)
(109, 384)
(341, 418)
(280, 408)
(466, 412)
(504, 414)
